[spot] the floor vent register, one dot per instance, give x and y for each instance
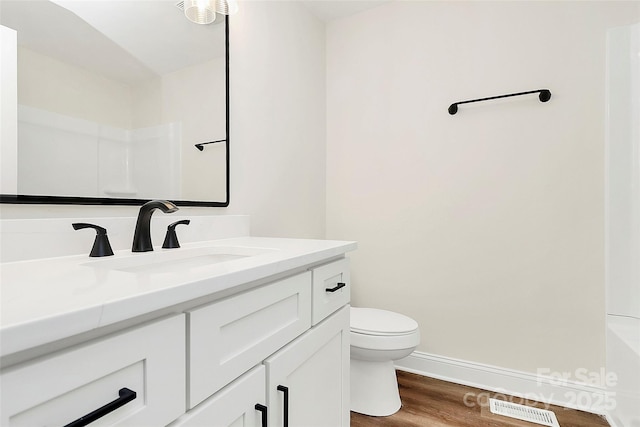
(524, 413)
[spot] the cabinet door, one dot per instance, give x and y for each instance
(233, 406)
(58, 389)
(313, 372)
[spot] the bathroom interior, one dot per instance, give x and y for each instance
(312, 147)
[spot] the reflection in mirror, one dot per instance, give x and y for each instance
(112, 98)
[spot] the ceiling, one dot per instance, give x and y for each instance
(128, 41)
(329, 10)
(131, 41)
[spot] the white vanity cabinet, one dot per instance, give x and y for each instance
(306, 380)
(305, 384)
(272, 349)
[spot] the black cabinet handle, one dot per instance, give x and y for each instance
(285, 417)
(338, 286)
(262, 409)
(126, 396)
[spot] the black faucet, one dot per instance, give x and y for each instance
(142, 235)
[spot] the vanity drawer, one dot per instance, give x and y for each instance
(58, 389)
(229, 337)
(331, 288)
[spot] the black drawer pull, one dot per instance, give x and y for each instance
(262, 409)
(126, 396)
(338, 286)
(285, 417)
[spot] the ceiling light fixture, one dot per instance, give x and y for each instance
(226, 7)
(204, 11)
(200, 11)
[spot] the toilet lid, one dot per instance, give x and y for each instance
(373, 321)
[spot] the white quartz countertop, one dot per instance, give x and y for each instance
(45, 300)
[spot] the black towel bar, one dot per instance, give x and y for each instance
(200, 146)
(544, 96)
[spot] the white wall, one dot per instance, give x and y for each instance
(277, 126)
(278, 118)
(52, 85)
(486, 226)
(195, 97)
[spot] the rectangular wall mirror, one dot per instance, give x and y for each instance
(119, 102)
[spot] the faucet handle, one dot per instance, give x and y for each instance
(171, 239)
(101, 246)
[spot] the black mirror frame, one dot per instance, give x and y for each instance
(69, 200)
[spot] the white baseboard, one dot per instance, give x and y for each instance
(566, 393)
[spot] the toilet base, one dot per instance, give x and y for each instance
(374, 388)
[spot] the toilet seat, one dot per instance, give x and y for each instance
(376, 322)
(385, 342)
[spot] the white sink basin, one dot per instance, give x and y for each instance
(174, 260)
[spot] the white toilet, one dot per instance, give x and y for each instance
(378, 337)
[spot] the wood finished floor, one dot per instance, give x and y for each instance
(428, 402)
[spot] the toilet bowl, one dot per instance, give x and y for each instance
(378, 337)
